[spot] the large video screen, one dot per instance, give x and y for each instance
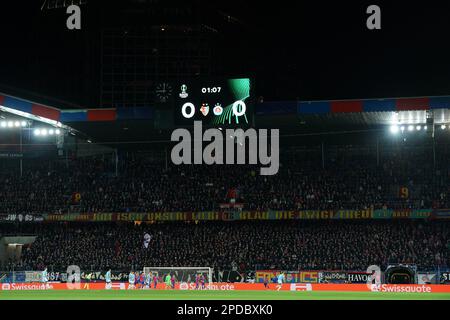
(215, 102)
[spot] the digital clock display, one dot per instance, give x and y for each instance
(215, 102)
(211, 90)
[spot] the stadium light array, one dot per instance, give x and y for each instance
(13, 124)
(395, 129)
(43, 132)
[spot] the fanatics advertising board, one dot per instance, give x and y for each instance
(223, 286)
(290, 276)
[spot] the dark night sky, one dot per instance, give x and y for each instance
(309, 50)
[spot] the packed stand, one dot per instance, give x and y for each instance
(238, 245)
(137, 184)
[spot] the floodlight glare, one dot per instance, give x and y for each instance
(37, 132)
(57, 131)
(3, 124)
(410, 128)
(425, 128)
(443, 127)
(10, 124)
(402, 128)
(51, 132)
(17, 124)
(23, 123)
(44, 132)
(418, 128)
(394, 129)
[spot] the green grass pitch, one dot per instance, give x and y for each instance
(213, 295)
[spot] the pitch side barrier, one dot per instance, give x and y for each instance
(437, 276)
(229, 276)
(221, 286)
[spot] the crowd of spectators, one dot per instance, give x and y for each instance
(137, 184)
(238, 245)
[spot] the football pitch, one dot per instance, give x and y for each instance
(213, 295)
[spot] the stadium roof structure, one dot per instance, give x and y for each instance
(137, 124)
(354, 113)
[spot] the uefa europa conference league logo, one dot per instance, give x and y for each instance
(227, 139)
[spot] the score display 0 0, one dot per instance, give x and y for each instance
(188, 109)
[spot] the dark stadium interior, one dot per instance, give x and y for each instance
(363, 181)
(305, 50)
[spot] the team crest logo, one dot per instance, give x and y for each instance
(204, 109)
(183, 93)
(217, 109)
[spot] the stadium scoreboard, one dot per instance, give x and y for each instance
(215, 102)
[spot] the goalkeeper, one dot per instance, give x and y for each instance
(167, 281)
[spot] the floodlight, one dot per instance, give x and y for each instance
(394, 129)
